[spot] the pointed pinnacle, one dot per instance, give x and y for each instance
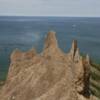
(51, 40)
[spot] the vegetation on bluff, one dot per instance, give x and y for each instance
(95, 79)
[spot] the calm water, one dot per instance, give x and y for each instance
(27, 32)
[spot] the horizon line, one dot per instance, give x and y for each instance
(46, 16)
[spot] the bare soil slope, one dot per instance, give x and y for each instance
(50, 75)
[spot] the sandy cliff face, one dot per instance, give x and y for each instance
(50, 75)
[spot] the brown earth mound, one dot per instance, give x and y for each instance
(50, 75)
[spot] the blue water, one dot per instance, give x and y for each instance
(27, 32)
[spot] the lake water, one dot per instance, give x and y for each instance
(27, 32)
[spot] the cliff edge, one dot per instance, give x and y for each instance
(50, 75)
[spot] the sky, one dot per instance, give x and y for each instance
(84, 8)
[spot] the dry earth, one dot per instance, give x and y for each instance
(50, 75)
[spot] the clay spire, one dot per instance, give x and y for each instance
(51, 41)
(77, 55)
(88, 59)
(51, 48)
(79, 76)
(30, 54)
(16, 55)
(73, 48)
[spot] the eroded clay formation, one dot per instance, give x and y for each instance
(50, 75)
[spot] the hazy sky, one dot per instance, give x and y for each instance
(50, 7)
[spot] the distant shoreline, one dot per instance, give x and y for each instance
(51, 16)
